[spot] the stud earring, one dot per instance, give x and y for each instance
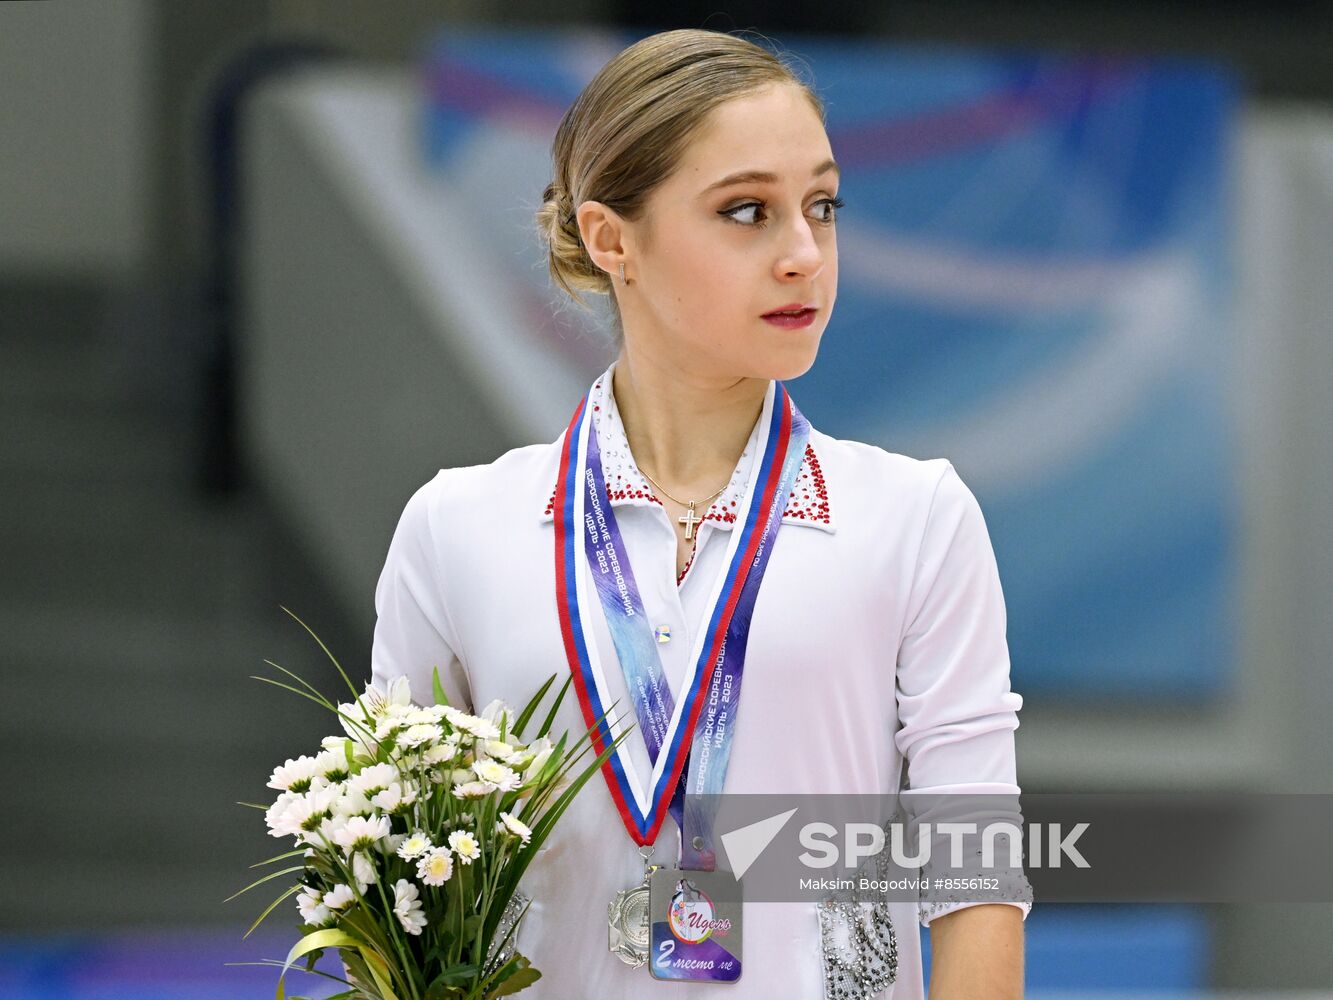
(622, 272)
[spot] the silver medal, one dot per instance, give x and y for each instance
(627, 915)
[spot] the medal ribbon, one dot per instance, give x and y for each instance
(712, 691)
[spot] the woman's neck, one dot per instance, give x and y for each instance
(686, 430)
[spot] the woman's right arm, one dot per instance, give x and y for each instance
(413, 630)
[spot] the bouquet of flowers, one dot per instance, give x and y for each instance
(413, 827)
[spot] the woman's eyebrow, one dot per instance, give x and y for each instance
(765, 176)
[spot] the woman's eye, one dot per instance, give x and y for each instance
(738, 215)
(833, 204)
(749, 206)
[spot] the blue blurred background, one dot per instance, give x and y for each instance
(263, 264)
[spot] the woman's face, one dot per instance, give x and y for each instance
(742, 228)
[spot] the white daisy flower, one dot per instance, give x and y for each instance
(305, 813)
(473, 789)
(373, 779)
(513, 825)
(332, 764)
(504, 752)
(421, 734)
(275, 815)
(439, 753)
(482, 729)
(339, 897)
(363, 871)
(416, 844)
(395, 798)
(407, 906)
(504, 778)
(361, 832)
(435, 866)
(351, 803)
(313, 911)
(465, 846)
(294, 775)
(391, 843)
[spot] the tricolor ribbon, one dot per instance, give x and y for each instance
(668, 725)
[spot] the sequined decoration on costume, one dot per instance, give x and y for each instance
(498, 956)
(857, 942)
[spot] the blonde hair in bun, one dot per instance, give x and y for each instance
(624, 134)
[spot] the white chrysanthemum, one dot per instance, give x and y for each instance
(504, 752)
(372, 779)
(337, 744)
(313, 910)
(363, 871)
(465, 846)
(515, 826)
(328, 831)
(396, 797)
(391, 843)
(439, 753)
(339, 897)
(332, 764)
(473, 789)
(416, 844)
(435, 866)
(482, 729)
(294, 775)
(361, 832)
(351, 803)
(407, 906)
(304, 813)
(275, 815)
(504, 778)
(420, 735)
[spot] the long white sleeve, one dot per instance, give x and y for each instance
(413, 631)
(957, 712)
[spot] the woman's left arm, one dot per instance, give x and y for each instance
(977, 953)
(957, 715)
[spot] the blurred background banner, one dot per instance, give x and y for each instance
(1035, 283)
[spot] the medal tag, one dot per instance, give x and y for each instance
(695, 926)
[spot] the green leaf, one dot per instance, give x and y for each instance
(437, 687)
(330, 938)
(271, 907)
(350, 686)
(269, 877)
(519, 980)
(279, 857)
(532, 706)
(550, 716)
(456, 975)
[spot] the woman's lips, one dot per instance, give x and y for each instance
(791, 321)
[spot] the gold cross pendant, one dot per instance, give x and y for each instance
(690, 520)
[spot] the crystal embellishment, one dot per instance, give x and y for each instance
(663, 633)
(511, 914)
(857, 942)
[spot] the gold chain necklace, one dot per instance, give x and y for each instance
(690, 519)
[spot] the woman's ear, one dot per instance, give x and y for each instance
(603, 233)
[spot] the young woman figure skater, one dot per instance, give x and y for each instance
(689, 528)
